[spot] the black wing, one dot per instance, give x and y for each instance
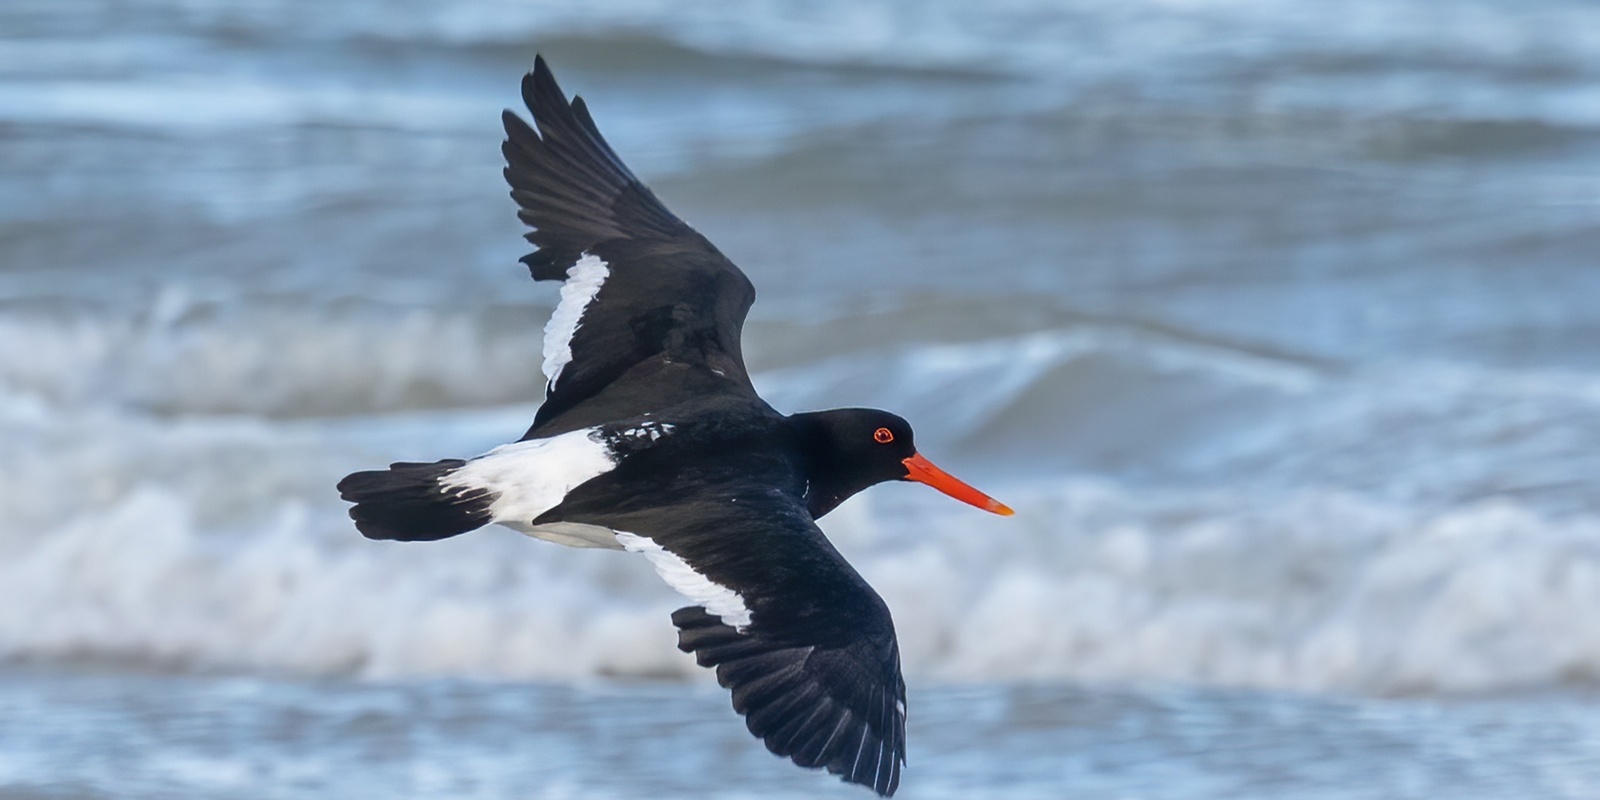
(815, 669)
(641, 284)
(841, 707)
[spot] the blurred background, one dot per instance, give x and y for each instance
(1276, 322)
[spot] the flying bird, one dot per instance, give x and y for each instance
(652, 440)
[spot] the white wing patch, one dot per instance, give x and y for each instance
(717, 599)
(529, 478)
(584, 279)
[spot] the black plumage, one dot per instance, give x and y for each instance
(686, 463)
(404, 503)
(671, 296)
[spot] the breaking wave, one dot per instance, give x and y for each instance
(1291, 383)
(1090, 581)
(190, 522)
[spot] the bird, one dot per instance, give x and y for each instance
(652, 440)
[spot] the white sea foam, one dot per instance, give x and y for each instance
(193, 355)
(1306, 592)
(219, 544)
(1405, 192)
(1088, 581)
(1341, 553)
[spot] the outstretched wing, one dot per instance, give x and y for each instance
(640, 284)
(806, 646)
(840, 707)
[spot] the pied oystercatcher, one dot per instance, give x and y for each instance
(651, 439)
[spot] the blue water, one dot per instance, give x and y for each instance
(94, 735)
(1274, 321)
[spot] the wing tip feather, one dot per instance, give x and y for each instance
(792, 713)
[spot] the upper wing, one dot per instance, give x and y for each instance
(639, 282)
(807, 647)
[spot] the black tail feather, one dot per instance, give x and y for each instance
(406, 502)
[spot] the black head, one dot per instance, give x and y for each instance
(851, 449)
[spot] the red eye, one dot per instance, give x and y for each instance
(883, 436)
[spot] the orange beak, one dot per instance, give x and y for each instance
(922, 470)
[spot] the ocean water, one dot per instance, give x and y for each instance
(1274, 321)
(98, 735)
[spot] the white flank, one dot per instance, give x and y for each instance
(583, 283)
(715, 598)
(532, 477)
